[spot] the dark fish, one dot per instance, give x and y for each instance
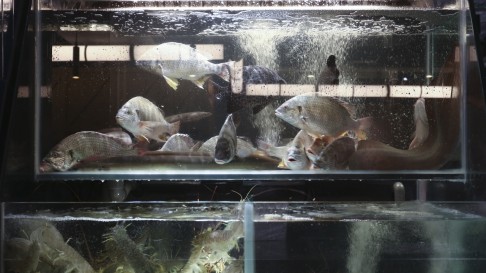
(225, 149)
(252, 74)
(83, 146)
(335, 156)
(187, 117)
(330, 73)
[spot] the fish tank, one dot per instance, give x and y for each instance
(241, 136)
(245, 237)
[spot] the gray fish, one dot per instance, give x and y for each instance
(421, 124)
(293, 155)
(118, 133)
(319, 115)
(244, 148)
(180, 143)
(226, 144)
(83, 146)
(176, 61)
(296, 157)
(187, 117)
(335, 156)
(145, 120)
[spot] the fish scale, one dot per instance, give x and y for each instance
(86, 145)
(318, 115)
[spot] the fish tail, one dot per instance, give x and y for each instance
(225, 72)
(364, 125)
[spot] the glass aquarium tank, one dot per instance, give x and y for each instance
(241, 136)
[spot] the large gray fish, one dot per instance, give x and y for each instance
(145, 120)
(226, 143)
(421, 124)
(176, 61)
(335, 156)
(84, 146)
(319, 115)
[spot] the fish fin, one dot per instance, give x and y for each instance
(174, 127)
(226, 69)
(196, 146)
(256, 109)
(173, 83)
(363, 124)
(282, 165)
(200, 82)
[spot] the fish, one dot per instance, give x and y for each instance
(188, 116)
(145, 120)
(85, 146)
(226, 143)
(244, 148)
(292, 155)
(335, 155)
(319, 115)
(296, 157)
(118, 133)
(175, 61)
(421, 124)
(179, 143)
(330, 73)
(316, 147)
(252, 74)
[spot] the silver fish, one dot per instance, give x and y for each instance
(145, 120)
(176, 61)
(244, 148)
(296, 157)
(179, 143)
(226, 144)
(421, 124)
(319, 115)
(82, 146)
(335, 156)
(293, 155)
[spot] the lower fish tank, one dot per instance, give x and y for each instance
(245, 237)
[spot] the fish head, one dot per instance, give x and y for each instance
(296, 159)
(153, 66)
(224, 151)
(127, 117)
(58, 160)
(290, 112)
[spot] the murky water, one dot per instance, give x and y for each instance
(308, 237)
